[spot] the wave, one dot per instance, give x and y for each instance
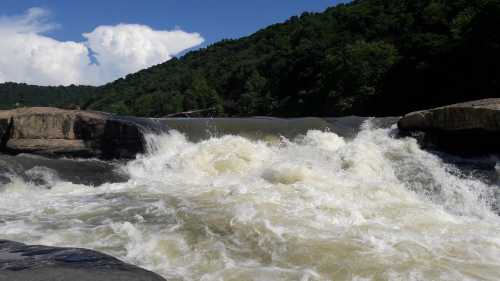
(315, 207)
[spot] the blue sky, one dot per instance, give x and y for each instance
(213, 19)
(62, 42)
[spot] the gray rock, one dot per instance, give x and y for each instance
(91, 172)
(58, 132)
(20, 262)
(471, 127)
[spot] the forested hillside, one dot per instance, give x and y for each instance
(368, 57)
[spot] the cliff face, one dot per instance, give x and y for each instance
(57, 132)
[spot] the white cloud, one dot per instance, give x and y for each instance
(35, 20)
(127, 48)
(27, 55)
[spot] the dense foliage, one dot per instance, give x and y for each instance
(368, 57)
(17, 95)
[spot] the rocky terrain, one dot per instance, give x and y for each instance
(470, 127)
(57, 132)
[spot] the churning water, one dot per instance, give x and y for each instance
(316, 207)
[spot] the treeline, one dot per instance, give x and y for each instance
(368, 57)
(18, 95)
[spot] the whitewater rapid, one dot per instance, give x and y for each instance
(317, 207)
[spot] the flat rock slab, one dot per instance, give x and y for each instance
(20, 262)
(476, 115)
(468, 127)
(57, 132)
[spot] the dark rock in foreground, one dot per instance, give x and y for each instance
(19, 262)
(58, 132)
(471, 127)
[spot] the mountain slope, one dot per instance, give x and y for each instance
(368, 57)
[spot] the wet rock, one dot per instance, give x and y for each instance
(20, 262)
(36, 169)
(58, 132)
(465, 128)
(4, 180)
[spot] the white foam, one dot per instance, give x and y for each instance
(315, 208)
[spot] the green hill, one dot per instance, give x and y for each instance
(368, 57)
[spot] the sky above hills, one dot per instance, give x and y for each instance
(60, 42)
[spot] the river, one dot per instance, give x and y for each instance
(320, 205)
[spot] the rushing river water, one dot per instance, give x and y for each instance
(314, 207)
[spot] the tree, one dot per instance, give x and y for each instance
(355, 72)
(256, 98)
(201, 96)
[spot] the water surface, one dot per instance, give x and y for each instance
(319, 205)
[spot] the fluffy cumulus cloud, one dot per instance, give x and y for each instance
(28, 55)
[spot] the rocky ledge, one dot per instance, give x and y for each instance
(465, 128)
(20, 262)
(57, 132)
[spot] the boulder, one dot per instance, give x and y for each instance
(44, 171)
(20, 262)
(58, 132)
(470, 127)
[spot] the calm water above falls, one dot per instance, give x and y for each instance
(317, 207)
